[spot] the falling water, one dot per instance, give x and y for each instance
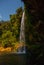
(22, 34)
(22, 29)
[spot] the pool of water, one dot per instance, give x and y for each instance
(13, 59)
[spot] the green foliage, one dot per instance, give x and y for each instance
(10, 30)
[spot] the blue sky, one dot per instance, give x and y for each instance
(8, 7)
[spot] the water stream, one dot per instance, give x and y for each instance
(22, 29)
(22, 34)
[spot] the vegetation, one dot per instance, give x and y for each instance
(10, 30)
(34, 30)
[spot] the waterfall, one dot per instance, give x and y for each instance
(22, 29)
(22, 35)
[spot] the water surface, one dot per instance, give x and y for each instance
(13, 59)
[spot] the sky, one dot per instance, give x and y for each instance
(8, 7)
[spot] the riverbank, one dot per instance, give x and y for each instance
(11, 49)
(8, 49)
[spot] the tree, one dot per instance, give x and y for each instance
(15, 20)
(10, 30)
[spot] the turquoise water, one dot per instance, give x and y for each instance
(13, 59)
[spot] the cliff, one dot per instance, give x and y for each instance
(35, 8)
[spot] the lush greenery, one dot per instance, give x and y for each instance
(34, 30)
(10, 30)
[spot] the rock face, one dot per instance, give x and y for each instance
(36, 5)
(36, 9)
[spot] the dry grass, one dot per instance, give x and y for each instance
(19, 45)
(8, 49)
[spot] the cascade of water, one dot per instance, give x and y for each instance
(22, 29)
(22, 34)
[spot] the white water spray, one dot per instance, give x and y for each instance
(22, 29)
(22, 35)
